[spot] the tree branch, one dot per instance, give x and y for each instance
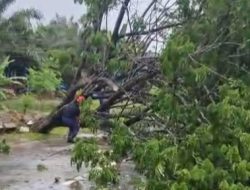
(115, 36)
(151, 30)
(148, 8)
(123, 89)
(137, 117)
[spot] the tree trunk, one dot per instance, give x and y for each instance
(118, 23)
(45, 125)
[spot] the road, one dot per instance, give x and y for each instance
(19, 169)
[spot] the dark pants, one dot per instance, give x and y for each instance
(73, 127)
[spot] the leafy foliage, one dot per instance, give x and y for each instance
(4, 148)
(63, 63)
(27, 102)
(16, 30)
(121, 141)
(102, 170)
(4, 81)
(95, 10)
(44, 80)
(86, 116)
(202, 107)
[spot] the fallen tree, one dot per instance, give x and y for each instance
(128, 49)
(129, 90)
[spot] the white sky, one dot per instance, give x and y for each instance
(49, 8)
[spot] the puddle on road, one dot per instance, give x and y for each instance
(18, 170)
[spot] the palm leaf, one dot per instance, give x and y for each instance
(5, 82)
(2, 95)
(4, 4)
(4, 63)
(27, 14)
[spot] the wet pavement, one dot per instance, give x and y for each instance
(19, 170)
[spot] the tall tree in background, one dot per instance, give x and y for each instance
(16, 39)
(16, 31)
(60, 40)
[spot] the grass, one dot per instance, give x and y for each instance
(30, 103)
(41, 167)
(58, 132)
(17, 137)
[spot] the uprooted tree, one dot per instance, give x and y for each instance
(120, 65)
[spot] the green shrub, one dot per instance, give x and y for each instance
(103, 169)
(6, 82)
(45, 79)
(4, 148)
(87, 115)
(29, 102)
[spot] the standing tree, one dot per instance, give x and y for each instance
(61, 42)
(16, 31)
(16, 38)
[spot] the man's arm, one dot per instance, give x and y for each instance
(100, 95)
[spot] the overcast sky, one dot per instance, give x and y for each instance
(49, 8)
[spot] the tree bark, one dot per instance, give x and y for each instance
(163, 27)
(137, 117)
(115, 36)
(126, 87)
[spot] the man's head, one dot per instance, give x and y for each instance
(80, 99)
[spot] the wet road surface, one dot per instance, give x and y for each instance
(19, 170)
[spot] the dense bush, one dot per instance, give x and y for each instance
(46, 79)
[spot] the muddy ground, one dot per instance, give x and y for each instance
(36, 165)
